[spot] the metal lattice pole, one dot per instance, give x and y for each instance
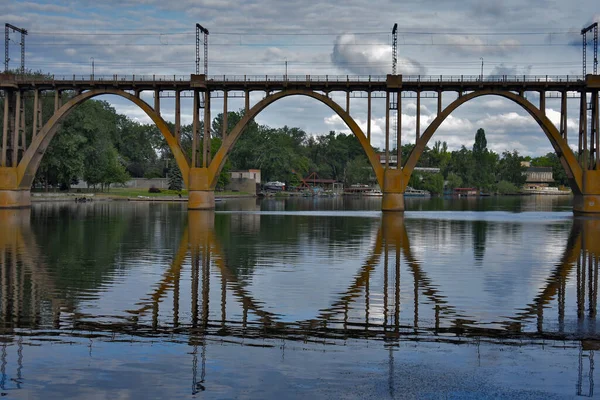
(23, 33)
(6, 53)
(394, 48)
(584, 51)
(584, 31)
(206, 52)
(204, 31)
(596, 48)
(198, 49)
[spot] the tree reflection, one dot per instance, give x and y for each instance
(32, 295)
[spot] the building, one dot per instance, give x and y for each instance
(538, 177)
(253, 174)
(244, 181)
(394, 163)
(464, 192)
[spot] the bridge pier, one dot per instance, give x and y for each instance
(17, 198)
(587, 202)
(201, 200)
(200, 195)
(586, 205)
(393, 191)
(11, 195)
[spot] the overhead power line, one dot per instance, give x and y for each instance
(146, 33)
(302, 44)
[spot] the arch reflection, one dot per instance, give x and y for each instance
(391, 296)
(27, 286)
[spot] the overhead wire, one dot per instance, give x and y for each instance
(288, 33)
(33, 44)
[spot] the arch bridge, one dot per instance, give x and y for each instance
(23, 146)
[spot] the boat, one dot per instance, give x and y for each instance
(545, 190)
(372, 193)
(274, 186)
(411, 192)
(363, 190)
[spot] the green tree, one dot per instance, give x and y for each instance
(505, 187)
(175, 178)
(483, 174)
(454, 181)
(510, 168)
(558, 172)
(462, 164)
(433, 183)
(358, 170)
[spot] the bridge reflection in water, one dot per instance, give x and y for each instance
(32, 303)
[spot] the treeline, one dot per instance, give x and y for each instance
(478, 167)
(102, 147)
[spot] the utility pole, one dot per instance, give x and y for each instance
(92, 59)
(204, 31)
(584, 31)
(7, 28)
(394, 48)
(481, 76)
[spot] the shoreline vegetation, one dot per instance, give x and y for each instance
(97, 145)
(126, 194)
(118, 194)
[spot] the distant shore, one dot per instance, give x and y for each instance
(118, 194)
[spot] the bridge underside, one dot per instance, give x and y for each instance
(23, 146)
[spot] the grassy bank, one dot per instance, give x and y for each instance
(135, 193)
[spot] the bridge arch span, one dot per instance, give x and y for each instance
(561, 147)
(219, 159)
(30, 162)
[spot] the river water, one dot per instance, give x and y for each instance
(297, 298)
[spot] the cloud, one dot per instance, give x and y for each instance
(317, 38)
(372, 59)
(511, 70)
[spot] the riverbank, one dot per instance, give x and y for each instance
(127, 194)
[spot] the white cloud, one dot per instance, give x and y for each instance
(374, 59)
(317, 38)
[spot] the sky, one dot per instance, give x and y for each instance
(260, 37)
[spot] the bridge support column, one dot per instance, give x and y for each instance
(393, 191)
(200, 195)
(11, 195)
(588, 202)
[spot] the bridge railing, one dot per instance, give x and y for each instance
(293, 78)
(492, 78)
(95, 78)
(405, 78)
(297, 78)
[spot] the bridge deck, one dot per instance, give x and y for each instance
(325, 83)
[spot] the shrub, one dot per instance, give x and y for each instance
(154, 190)
(505, 187)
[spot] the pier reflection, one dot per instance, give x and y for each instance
(29, 291)
(203, 294)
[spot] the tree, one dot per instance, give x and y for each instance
(175, 178)
(358, 170)
(483, 174)
(462, 164)
(510, 168)
(433, 183)
(454, 181)
(505, 187)
(480, 145)
(558, 172)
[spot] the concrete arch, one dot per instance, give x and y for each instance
(568, 160)
(219, 160)
(33, 156)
